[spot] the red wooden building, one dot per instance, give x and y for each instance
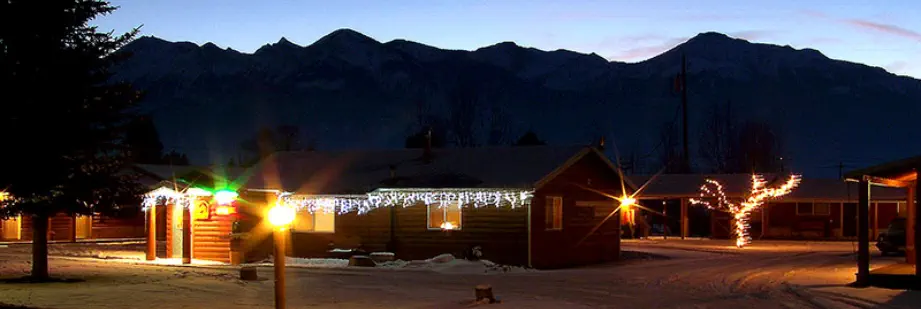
(818, 208)
(531, 206)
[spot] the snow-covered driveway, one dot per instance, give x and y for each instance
(784, 277)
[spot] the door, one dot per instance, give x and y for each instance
(176, 230)
(84, 226)
(12, 228)
(849, 220)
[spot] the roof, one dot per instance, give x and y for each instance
(356, 172)
(187, 173)
(890, 169)
(737, 185)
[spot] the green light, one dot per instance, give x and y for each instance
(224, 197)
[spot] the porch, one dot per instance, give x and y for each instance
(898, 174)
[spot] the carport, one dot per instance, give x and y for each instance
(897, 174)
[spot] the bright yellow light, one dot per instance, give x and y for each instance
(447, 226)
(4, 196)
(281, 216)
(224, 210)
(627, 201)
(225, 197)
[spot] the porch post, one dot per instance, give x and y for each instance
(917, 226)
(73, 228)
(874, 225)
(187, 234)
(765, 224)
(152, 233)
(863, 234)
(684, 218)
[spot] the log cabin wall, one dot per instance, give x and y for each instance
(500, 232)
(211, 238)
(116, 227)
(573, 245)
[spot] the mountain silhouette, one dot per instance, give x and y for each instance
(347, 90)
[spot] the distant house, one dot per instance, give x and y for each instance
(528, 206)
(64, 227)
(819, 208)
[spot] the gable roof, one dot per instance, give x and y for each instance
(737, 185)
(155, 174)
(889, 169)
(356, 172)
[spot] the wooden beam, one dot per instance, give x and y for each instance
(863, 233)
(151, 233)
(917, 227)
(874, 227)
(684, 218)
(886, 182)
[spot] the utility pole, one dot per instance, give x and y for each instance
(840, 170)
(686, 159)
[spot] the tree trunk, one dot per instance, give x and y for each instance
(40, 247)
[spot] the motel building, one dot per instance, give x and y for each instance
(537, 206)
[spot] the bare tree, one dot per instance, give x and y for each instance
(717, 140)
(670, 149)
(758, 148)
(462, 106)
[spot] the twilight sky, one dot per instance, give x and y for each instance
(879, 33)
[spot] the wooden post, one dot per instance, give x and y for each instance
(863, 233)
(73, 228)
(152, 233)
(187, 234)
(279, 267)
(917, 226)
(684, 218)
(875, 221)
(765, 222)
(483, 294)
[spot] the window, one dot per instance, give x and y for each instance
(813, 209)
(554, 213)
(319, 221)
(821, 209)
(447, 217)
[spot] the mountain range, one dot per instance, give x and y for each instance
(347, 90)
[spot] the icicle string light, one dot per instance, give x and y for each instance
(164, 195)
(741, 211)
(406, 197)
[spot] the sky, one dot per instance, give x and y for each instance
(879, 33)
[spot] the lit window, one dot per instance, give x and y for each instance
(447, 217)
(554, 213)
(319, 221)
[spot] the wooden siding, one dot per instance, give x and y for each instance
(115, 227)
(211, 238)
(500, 232)
(784, 222)
(573, 245)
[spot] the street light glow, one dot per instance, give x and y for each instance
(281, 216)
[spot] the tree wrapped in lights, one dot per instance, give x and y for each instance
(759, 193)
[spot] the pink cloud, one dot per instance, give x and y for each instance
(648, 51)
(885, 28)
(753, 35)
(870, 25)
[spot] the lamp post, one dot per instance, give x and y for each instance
(280, 217)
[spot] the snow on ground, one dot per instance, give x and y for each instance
(792, 276)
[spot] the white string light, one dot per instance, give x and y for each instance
(741, 211)
(364, 203)
(164, 195)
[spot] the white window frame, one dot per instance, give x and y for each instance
(313, 217)
(550, 204)
(444, 216)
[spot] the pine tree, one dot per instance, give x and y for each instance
(63, 119)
